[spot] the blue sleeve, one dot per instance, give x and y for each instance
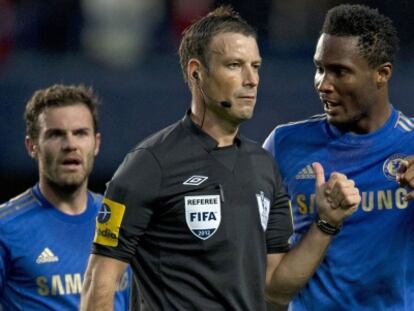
(122, 296)
(269, 143)
(3, 261)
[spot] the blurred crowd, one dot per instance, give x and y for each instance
(120, 33)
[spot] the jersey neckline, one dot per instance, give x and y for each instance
(207, 141)
(357, 138)
(89, 213)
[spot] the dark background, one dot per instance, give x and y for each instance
(127, 50)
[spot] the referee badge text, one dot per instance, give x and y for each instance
(108, 222)
(263, 204)
(203, 214)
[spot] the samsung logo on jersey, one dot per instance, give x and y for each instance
(370, 201)
(59, 284)
(68, 284)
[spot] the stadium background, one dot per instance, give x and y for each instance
(126, 50)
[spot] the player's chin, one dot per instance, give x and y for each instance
(243, 118)
(337, 120)
(72, 180)
(247, 113)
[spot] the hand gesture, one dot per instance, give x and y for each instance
(337, 198)
(405, 176)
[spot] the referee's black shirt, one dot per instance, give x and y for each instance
(194, 221)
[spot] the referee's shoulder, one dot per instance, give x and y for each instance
(255, 147)
(159, 138)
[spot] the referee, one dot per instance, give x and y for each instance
(198, 210)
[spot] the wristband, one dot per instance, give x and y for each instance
(326, 227)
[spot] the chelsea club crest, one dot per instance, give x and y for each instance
(392, 164)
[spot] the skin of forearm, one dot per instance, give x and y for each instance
(297, 266)
(98, 292)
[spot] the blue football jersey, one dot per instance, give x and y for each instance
(44, 254)
(369, 265)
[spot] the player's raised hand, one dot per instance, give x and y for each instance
(336, 198)
(405, 176)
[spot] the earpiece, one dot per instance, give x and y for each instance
(224, 103)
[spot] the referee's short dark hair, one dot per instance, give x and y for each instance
(378, 40)
(58, 95)
(197, 37)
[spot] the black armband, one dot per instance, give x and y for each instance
(326, 227)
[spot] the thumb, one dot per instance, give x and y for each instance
(319, 174)
(403, 166)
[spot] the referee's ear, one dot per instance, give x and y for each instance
(30, 147)
(193, 71)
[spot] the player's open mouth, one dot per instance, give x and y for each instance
(71, 163)
(330, 107)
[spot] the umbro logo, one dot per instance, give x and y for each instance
(46, 256)
(195, 180)
(306, 173)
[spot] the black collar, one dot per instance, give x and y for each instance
(206, 140)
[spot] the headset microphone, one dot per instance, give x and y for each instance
(225, 104)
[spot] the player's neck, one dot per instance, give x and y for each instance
(69, 201)
(375, 120)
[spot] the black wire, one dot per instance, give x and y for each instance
(204, 104)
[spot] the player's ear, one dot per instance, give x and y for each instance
(383, 74)
(97, 143)
(31, 147)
